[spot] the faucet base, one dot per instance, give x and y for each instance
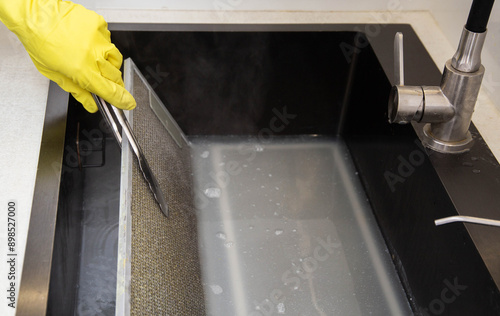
(445, 147)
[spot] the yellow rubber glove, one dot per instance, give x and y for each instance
(71, 46)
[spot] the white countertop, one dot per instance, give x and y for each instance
(23, 95)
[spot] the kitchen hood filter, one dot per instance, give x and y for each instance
(164, 264)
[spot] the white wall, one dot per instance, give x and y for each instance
(310, 5)
(451, 15)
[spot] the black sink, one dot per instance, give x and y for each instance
(334, 80)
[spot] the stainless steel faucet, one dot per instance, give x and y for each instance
(447, 109)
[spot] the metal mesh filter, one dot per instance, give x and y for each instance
(165, 271)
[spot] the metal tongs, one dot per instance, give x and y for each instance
(118, 122)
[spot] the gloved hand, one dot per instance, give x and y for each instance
(71, 46)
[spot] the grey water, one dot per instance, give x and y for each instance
(98, 258)
(285, 228)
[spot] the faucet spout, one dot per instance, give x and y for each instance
(468, 55)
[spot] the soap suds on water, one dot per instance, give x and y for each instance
(221, 235)
(212, 192)
(281, 308)
(216, 289)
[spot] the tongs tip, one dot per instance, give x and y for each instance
(163, 208)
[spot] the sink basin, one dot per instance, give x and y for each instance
(302, 199)
(289, 230)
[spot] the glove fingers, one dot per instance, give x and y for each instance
(114, 56)
(112, 92)
(85, 98)
(108, 89)
(82, 96)
(110, 72)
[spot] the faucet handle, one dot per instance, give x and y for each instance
(406, 103)
(399, 65)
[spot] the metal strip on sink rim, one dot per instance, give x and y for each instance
(34, 286)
